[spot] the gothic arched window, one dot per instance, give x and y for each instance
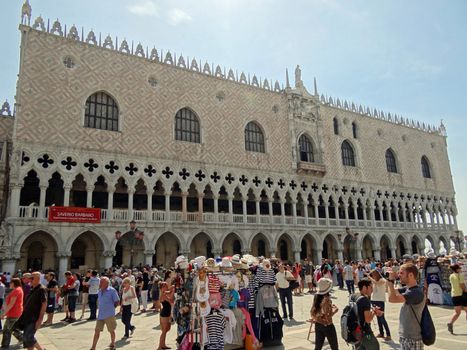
(254, 138)
(354, 130)
(426, 168)
(336, 126)
(348, 154)
(101, 112)
(187, 126)
(391, 161)
(306, 149)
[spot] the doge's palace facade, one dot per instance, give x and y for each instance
(206, 161)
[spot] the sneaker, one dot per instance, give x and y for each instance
(132, 330)
(71, 320)
(380, 336)
(388, 338)
(450, 328)
(65, 319)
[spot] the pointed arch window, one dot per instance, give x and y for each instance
(354, 130)
(306, 149)
(187, 126)
(391, 165)
(101, 112)
(348, 154)
(254, 138)
(335, 123)
(426, 168)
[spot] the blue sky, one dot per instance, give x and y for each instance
(403, 57)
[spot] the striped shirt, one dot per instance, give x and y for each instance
(215, 323)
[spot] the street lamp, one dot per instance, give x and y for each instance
(134, 237)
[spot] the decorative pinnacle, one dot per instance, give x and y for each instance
(316, 86)
(287, 84)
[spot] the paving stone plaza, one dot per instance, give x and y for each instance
(78, 336)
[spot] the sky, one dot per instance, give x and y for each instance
(403, 57)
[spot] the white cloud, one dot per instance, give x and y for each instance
(177, 16)
(143, 8)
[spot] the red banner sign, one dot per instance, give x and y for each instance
(75, 214)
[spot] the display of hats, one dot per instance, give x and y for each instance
(204, 309)
(235, 260)
(211, 265)
(324, 286)
(202, 291)
(218, 259)
(266, 264)
(199, 261)
(251, 260)
(243, 264)
(226, 263)
(181, 262)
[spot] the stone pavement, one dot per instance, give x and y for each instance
(78, 336)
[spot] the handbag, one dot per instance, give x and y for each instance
(187, 342)
(250, 343)
(134, 303)
(426, 325)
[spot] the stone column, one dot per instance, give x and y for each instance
(42, 202)
(131, 192)
(246, 251)
(63, 263)
(167, 205)
(110, 204)
(365, 218)
(454, 217)
(244, 212)
(336, 213)
(297, 255)
(230, 199)
(393, 252)
(381, 217)
(388, 212)
(108, 257)
(359, 254)
(200, 207)
(294, 213)
(270, 201)
(340, 255)
(282, 211)
(437, 219)
(272, 252)
(305, 211)
(14, 200)
(346, 213)
(355, 213)
(148, 254)
(66, 195)
(377, 254)
(258, 211)
(216, 207)
(318, 255)
(149, 193)
(184, 205)
(404, 214)
(89, 190)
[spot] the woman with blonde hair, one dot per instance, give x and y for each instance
(128, 298)
(167, 289)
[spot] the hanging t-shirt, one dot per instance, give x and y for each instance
(215, 323)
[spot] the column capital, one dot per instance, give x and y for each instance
(63, 254)
(216, 252)
(130, 191)
(185, 194)
(149, 191)
(200, 195)
(246, 251)
(43, 187)
(67, 187)
(108, 253)
(90, 188)
(215, 196)
(149, 252)
(167, 193)
(16, 186)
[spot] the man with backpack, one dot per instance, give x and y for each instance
(366, 313)
(412, 297)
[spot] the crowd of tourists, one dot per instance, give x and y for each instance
(239, 301)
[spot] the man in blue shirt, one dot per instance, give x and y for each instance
(108, 300)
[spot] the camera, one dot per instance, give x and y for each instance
(386, 275)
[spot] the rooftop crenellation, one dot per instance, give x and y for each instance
(207, 68)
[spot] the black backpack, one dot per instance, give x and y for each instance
(427, 326)
(351, 330)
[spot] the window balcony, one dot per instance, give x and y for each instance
(311, 168)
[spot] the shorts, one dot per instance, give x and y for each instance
(166, 309)
(460, 300)
(155, 295)
(110, 322)
(308, 279)
(50, 305)
(72, 302)
(29, 332)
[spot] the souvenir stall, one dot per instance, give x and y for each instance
(227, 303)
